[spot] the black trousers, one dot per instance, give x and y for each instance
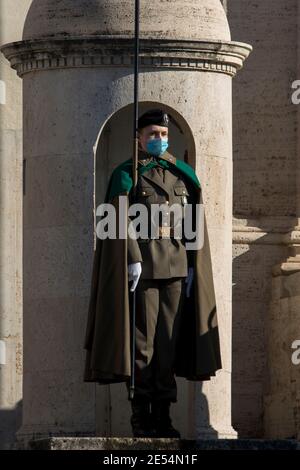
(158, 310)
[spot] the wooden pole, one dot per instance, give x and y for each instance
(135, 176)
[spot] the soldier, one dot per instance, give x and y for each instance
(159, 269)
(176, 321)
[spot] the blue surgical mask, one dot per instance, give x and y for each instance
(157, 146)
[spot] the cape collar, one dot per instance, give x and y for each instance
(144, 157)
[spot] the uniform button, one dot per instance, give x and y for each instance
(167, 213)
(183, 191)
(144, 192)
(167, 202)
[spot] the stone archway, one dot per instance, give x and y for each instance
(113, 146)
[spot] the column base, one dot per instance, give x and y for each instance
(209, 433)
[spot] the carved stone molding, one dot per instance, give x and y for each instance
(265, 231)
(211, 56)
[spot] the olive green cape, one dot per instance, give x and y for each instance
(107, 338)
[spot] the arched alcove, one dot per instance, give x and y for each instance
(115, 142)
(115, 145)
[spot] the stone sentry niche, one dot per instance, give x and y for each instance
(113, 411)
(119, 129)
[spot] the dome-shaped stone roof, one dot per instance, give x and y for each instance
(164, 19)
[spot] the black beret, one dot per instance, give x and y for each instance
(153, 116)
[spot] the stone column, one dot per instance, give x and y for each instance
(72, 85)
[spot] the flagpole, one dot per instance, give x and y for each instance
(135, 175)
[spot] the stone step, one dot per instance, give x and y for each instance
(129, 443)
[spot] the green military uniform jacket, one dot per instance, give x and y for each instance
(107, 339)
(163, 257)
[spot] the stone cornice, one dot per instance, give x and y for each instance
(204, 55)
(266, 231)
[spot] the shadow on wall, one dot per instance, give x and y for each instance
(10, 422)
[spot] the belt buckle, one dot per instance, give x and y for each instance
(165, 232)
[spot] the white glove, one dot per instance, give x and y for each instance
(134, 272)
(189, 280)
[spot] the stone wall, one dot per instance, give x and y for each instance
(264, 181)
(11, 26)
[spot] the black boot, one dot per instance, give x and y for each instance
(162, 420)
(141, 419)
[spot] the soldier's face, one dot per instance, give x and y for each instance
(152, 132)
